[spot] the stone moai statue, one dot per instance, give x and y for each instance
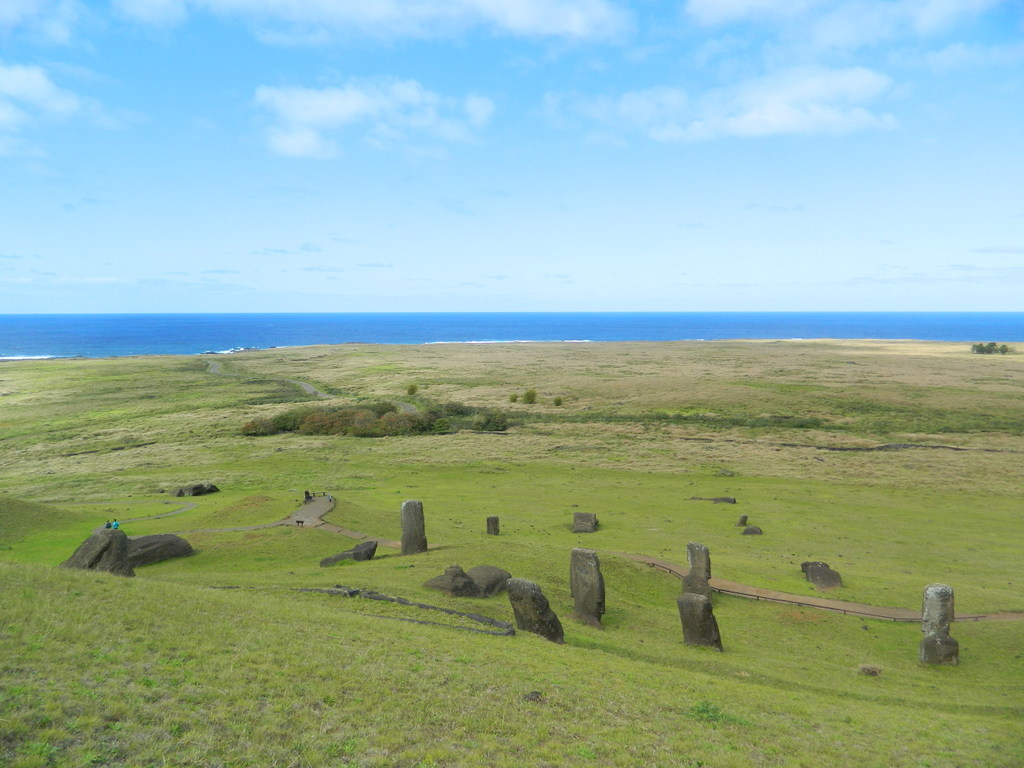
(492, 526)
(742, 522)
(532, 611)
(414, 532)
(699, 624)
(105, 550)
(696, 581)
(584, 522)
(937, 647)
(586, 585)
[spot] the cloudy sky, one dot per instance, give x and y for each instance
(515, 155)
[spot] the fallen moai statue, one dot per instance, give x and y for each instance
(196, 489)
(480, 581)
(105, 550)
(821, 574)
(532, 611)
(361, 552)
(752, 530)
(146, 550)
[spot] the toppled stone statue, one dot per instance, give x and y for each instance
(414, 532)
(821, 574)
(105, 550)
(752, 530)
(937, 647)
(489, 580)
(532, 611)
(480, 581)
(364, 550)
(146, 550)
(454, 581)
(698, 619)
(586, 585)
(697, 580)
(196, 489)
(584, 522)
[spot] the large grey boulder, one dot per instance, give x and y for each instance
(584, 522)
(821, 575)
(752, 530)
(532, 611)
(489, 580)
(937, 613)
(698, 619)
(697, 580)
(105, 550)
(146, 550)
(586, 585)
(196, 489)
(364, 550)
(414, 531)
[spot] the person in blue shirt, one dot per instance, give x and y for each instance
(115, 524)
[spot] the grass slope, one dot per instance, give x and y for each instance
(171, 669)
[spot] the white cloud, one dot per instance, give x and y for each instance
(27, 95)
(50, 20)
(844, 23)
(315, 20)
(799, 101)
(388, 111)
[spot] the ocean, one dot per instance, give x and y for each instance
(44, 336)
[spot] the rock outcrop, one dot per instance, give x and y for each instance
(196, 489)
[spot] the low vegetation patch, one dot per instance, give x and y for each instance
(379, 419)
(991, 348)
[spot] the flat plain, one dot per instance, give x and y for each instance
(898, 463)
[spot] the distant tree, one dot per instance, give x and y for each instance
(991, 348)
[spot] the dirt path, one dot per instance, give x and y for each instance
(809, 601)
(217, 368)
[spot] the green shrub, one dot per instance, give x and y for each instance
(412, 389)
(259, 427)
(557, 401)
(530, 396)
(490, 421)
(513, 398)
(991, 348)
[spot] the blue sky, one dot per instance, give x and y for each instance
(511, 155)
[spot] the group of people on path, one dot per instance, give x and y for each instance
(115, 525)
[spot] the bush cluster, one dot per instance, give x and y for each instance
(379, 419)
(990, 349)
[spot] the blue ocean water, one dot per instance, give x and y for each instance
(28, 336)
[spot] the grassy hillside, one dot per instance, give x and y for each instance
(170, 668)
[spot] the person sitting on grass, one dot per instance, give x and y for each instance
(115, 524)
(107, 525)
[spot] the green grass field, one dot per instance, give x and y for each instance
(217, 660)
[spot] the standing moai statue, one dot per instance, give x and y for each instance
(742, 522)
(584, 522)
(414, 532)
(532, 611)
(937, 647)
(699, 624)
(696, 581)
(586, 585)
(492, 526)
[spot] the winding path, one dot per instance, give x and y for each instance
(217, 368)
